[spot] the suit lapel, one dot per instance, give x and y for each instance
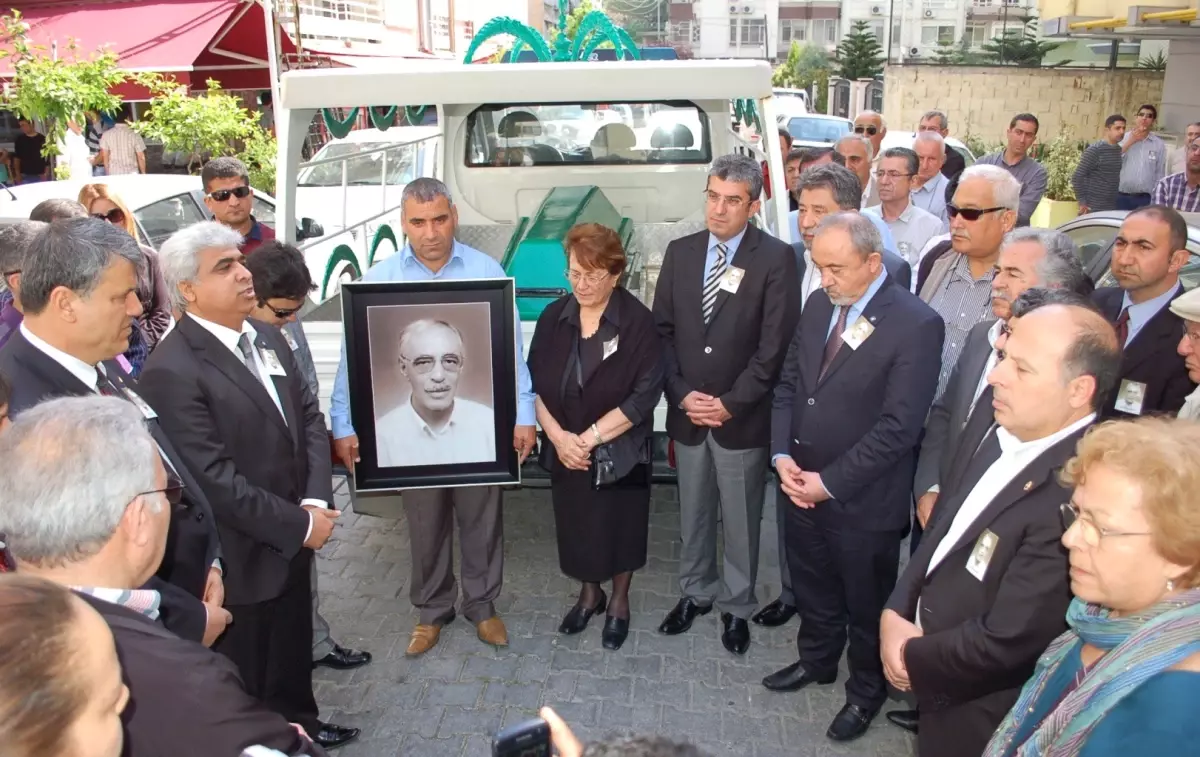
(61, 381)
(1160, 334)
(874, 313)
(290, 411)
(221, 358)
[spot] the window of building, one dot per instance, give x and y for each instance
(468, 31)
(733, 32)
(876, 28)
(978, 34)
(754, 32)
(933, 35)
(792, 29)
(684, 32)
(825, 30)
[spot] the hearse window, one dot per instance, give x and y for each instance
(587, 133)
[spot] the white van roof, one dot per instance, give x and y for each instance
(450, 83)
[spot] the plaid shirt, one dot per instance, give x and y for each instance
(122, 145)
(1174, 192)
(143, 601)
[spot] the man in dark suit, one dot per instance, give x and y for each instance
(1149, 251)
(92, 515)
(988, 588)
(823, 190)
(77, 292)
(855, 390)
(726, 304)
(232, 400)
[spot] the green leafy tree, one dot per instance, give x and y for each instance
(576, 18)
(213, 122)
(53, 90)
(859, 55)
(259, 156)
(1060, 158)
(946, 53)
(805, 66)
(1020, 46)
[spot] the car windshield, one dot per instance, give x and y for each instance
(361, 170)
(817, 129)
(595, 133)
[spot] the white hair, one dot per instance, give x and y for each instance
(882, 120)
(179, 256)
(1006, 190)
(409, 332)
(931, 136)
(71, 468)
(859, 138)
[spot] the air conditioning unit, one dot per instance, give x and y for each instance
(914, 52)
(733, 9)
(876, 10)
(747, 9)
(928, 13)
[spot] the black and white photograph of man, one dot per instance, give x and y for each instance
(432, 382)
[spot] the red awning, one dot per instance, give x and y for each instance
(192, 40)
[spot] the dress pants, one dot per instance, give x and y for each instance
(782, 506)
(731, 483)
(271, 643)
(431, 514)
(322, 644)
(842, 576)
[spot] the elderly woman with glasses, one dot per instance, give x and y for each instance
(104, 203)
(597, 371)
(1125, 677)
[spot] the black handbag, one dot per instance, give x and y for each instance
(607, 475)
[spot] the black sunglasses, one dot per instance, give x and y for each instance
(223, 195)
(869, 130)
(969, 214)
(115, 216)
(282, 315)
(13, 272)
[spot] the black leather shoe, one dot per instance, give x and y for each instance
(615, 632)
(906, 719)
(773, 615)
(736, 636)
(577, 619)
(680, 618)
(331, 735)
(793, 678)
(850, 723)
(343, 659)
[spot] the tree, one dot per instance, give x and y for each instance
(52, 89)
(946, 53)
(859, 55)
(805, 66)
(1019, 46)
(210, 123)
(576, 18)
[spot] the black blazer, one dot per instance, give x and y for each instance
(982, 638)
(858, 425)
(186, 700)
(897, 267)
(737, 356)
(1150, 358)
(192, 543)
(254, 466)
(949, 414)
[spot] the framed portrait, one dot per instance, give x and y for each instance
(432, 376)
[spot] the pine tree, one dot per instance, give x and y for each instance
(859, 55)
(1020, 46)
(946, 53)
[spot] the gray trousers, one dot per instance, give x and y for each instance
(431, 514)
(322, 644)
(731, 483)
(782, 503)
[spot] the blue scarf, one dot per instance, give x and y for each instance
(1137, 648)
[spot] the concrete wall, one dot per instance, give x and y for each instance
(1181, 90)
(980, 100)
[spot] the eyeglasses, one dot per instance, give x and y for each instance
(13, 272)
(891, 175)
(969, 214)
(223, 195)
(1091, 533)
(733, 202)
(424, 364)
(282, 315)
(173, 492)
(116, 217)
(870, 131)
(591, 279)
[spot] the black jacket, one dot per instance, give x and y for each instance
(897, 267)
(192, 543)
(737, 356)
(254, 466)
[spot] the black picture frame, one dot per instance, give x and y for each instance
(430, 299)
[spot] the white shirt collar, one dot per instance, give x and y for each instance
(1010, 445)
(995, 331)
(420, 422)
(76, 367)
(226, 335)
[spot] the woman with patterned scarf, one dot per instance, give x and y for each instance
(1125, 678)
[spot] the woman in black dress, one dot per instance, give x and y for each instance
(596, 367)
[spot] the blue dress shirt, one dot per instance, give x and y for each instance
(464, 263)
(731, 248)
(1141, 313)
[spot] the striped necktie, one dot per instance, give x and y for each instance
(711, 284)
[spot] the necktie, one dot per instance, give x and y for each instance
(108, 389)
(834, 342)
(104, 386)
(247, 350)
(709, 298)
(1123, 327)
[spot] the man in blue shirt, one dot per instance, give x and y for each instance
(432, 254)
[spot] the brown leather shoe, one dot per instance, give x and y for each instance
(492, 631)
(425, 637)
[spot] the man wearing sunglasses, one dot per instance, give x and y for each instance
(78, 292)
(872, 126)
(92, 515)
(228, 196)
(1014, 158)
(1144, 161)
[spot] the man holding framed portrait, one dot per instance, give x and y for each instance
(434, 352)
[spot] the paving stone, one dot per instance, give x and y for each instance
(463, 694)
(464, 721)
(491, 669)
(524, 695)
